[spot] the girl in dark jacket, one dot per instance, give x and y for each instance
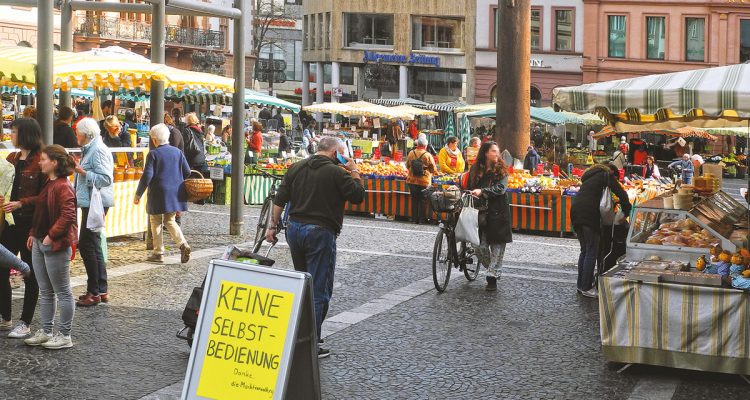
(584, 214)
(488, 179)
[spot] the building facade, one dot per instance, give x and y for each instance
(636, 37)
(283, 39)
(422, 49)
(557, 43)
(18, 26)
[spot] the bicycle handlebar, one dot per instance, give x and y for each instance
(267, 175)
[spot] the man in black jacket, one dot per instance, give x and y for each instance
(62, 133)
(586, 219)
(317, 189)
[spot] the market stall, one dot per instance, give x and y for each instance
(665, 305)
(680, 298)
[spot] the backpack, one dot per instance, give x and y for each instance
(417, 165)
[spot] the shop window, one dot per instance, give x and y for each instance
(536, 29)
(328, 30)
(493, 94)
(346, 74)
(431, 82)
(535, 96)
(496, 13)
(564, 30)
(368, 30)
(24, 43)
(695, 39)
(744, 40)
(655, 35)
(432, 33)
(616, 40)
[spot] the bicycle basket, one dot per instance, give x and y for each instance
(444, 201)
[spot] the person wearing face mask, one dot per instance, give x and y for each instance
(317, 189)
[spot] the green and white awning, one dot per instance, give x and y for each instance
(720, 93)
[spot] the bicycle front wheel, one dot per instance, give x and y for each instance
(469, 261)
(441, 261)
(263, 220)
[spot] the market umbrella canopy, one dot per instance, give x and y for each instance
(720, 94)
(331, 108)
(372, 110)
(546, 115)
(413, 111)
(687, 132)
(84, 71)
(475, 107)
(398, 102)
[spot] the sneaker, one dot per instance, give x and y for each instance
(591, 293)
(491, 284)
(59, 341)
(20, 331)
(6, 325)
(185, 253)
(104, 297)
(155, 259)
(323, 353)
(39, 337)
(89, 301)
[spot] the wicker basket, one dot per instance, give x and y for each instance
(198, 188)
(444, 201)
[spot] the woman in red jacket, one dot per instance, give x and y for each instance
(53, 232)
(255, 140)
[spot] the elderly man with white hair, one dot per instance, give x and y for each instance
(164, 176)
(94, 170)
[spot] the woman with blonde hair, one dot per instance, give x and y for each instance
(113, 129)
(195, 148)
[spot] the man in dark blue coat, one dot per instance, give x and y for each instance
(164, 176)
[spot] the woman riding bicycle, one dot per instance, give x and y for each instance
(487, 181)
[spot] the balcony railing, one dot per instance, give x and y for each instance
(115, 28)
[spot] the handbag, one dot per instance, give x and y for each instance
(467, 227)
(607, 207)
(95, 219)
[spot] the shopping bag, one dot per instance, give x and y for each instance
(607, 207)
(95, 220)
(467, 228)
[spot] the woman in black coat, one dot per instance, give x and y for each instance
(488, 179)
(586, 220)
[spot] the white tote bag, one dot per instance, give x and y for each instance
(467, 228)
(95, 220)
(607, 207)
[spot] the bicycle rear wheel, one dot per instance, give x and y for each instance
(263, 220)
(471, 269)
(441, 261)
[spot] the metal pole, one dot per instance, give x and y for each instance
(238, 123)
(201, 8)
(139, 8)
(66, 42)
(44, 91)
(157, 56)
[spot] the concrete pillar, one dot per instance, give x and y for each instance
(335, 79)
(66, 41)
(513, 77)
(305, 84)
(403, 81)
(44, 91)
(361, 82)
(236, 220)
(319, 87)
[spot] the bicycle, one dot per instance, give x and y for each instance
(265, 213)
(447, 253)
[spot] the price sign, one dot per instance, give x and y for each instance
(216, 173)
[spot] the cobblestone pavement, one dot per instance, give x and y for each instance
(392, 336)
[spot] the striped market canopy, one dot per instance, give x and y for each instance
(545, 115)
(83, 71)
(475, 107)
(448, 107)
(413, 112)
(720, 93)
(399, 102)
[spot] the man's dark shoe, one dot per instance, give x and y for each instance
(491, 284)
(323, 353)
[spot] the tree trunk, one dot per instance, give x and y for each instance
(513, 76)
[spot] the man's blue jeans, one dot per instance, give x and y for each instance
(313, 250)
